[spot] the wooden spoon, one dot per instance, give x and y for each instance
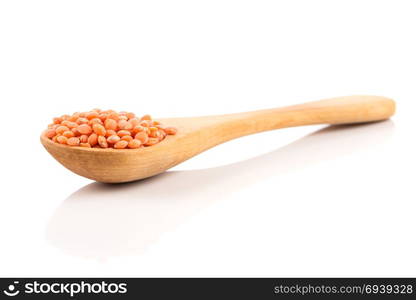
(197, 134)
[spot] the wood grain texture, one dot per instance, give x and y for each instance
(198, 134)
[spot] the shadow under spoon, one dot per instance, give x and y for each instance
(102, 220)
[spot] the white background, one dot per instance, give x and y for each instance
(293, 202)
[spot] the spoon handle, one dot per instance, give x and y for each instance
(341, 110)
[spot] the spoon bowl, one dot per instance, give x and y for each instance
(124, 165)
(197, 134)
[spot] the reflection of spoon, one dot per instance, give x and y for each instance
(101, 220)
(199, 134)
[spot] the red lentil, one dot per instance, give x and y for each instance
(121, 144)
(61, 129)
(73, 141)
(62, 139)
(93, 139)
(98, 129)
(110, 124)
(83, 138)
(122, 133)
(84, 129)
(68, 134)
(171, 130)
(142, 137)
(127, 138)
(50, 133)
(134, 144)
(102, 142)
(112, 139)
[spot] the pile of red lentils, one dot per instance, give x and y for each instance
(107, 129)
